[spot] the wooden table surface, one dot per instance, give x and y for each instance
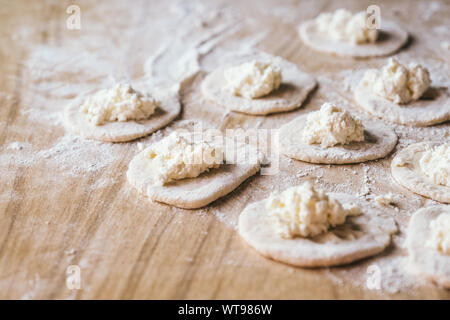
(57, 210)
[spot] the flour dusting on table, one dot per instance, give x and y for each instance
(198, 36)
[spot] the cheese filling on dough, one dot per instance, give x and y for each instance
(435, 164)
(331, 126)
(342, 25)
(396, 82)
(302, 211)
(440, 233)
(253, 79)
(180, 156)
(120, 103)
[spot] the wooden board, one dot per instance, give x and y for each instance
(57, 212)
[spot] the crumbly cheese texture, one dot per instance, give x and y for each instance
(440, 234)
(399, 161)
(253, 79)
(183, 155)
(342, 25)
(435, 164)
(331, 126)
(386, 199)
(302, 211)
(398, 83)
(120, 103)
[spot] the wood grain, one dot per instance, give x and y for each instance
(127, 247)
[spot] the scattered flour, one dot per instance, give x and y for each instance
(202, 36)
(17, 146)
(429, 9)
(76, 156)
(226, 219)
(386, 199)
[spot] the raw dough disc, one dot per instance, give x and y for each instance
(418, 113)
(380, 140)
(119, 131)
(359, 237)
(424, 261)
(391, 38)
(192, 193)
(295, 87)
(411, 176)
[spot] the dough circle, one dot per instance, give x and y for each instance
(419, 113)
(423, 261)
(192, 193)
(119, 131)
(380, 140)
(359, 237)
(411, 177)
(294, 89)
(391, 38)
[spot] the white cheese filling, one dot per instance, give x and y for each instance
(440, 234)
(253, 79)
(331, 126)
(342, 25)
(435, 164)
(396, 82)
(302, 211)
(183, 155)
(120, 103)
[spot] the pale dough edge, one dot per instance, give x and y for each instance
(417, 183)
(433, 112)
(423, 261)
(212, 89)
(315, 41)
(195, 192)
(75, 121)
(252, 226)
(337, 155)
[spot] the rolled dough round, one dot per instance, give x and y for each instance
(359, 237)
(119, 131)
(424, 261)
(380, 140)
(192, 193)
(411, 177)
(391, 38)
(295, 87)
(419, 113)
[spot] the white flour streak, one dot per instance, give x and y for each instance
(190, 37)
(429, 9)
(228, 220)
(17, 145)
(75, 155)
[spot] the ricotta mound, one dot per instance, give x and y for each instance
(120, 103)
(440, 233)
(435, 164)
(302, 211)
(342, 25)
(396, 82)
(331, 126)
(386, 199)
(183, 155)
(253, 79)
